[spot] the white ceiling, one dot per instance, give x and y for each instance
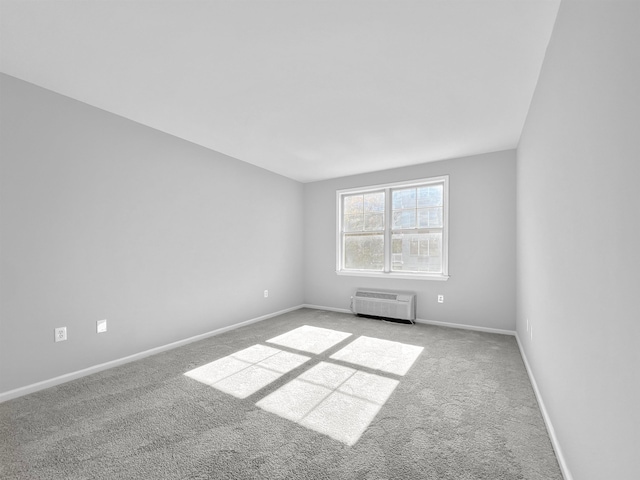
(307, 89)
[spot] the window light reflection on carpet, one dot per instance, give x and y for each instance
(383, 355)
(339, 401)
(331, 399)
(247, 371)
(310, 339)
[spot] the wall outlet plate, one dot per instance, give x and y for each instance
(440, 298)
(101, 326)
(60, 334)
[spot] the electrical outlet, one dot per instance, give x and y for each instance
(440, 298)
(60, 334)
(531, 332)
(101, 326)
(266, 293)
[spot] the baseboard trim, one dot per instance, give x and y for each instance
(466, 327)
(330, 309)
(564, 468)
(21, 391)
(426, 322)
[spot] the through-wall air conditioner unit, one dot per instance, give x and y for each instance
(384, 304)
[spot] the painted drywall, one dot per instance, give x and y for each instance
(481, 289)
(103, 218)
(579, 237)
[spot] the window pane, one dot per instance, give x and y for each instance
(414, 247)
(364, 252)
(353, 204)
(374, 202)
(373, 221)
(353, 223)
(435, 244)
(404, 219)
(396, 244)
(430, 196)
(405, 198)
(430, 217)
(396, 252)
(419, 252)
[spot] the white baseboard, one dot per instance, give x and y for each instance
(564, 468)
(427, 322)
(467, 327)
(330, 309)
(19, 392)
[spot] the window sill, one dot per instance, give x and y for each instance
(409, 276)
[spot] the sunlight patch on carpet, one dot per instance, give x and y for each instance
(310, 339)
(247, 371)
(331, 399)
(383, 355)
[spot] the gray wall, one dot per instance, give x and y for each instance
(579, 237)
(481, 290)
(105, 218)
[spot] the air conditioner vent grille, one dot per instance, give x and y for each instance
(384, 296)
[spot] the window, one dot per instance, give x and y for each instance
(396, 230)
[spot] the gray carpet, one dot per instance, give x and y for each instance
(464, 410)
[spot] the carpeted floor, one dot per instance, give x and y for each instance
(464, 409)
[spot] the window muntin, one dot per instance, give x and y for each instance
(396, 229)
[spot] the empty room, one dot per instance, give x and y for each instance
(320, 239)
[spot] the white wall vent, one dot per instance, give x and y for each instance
(384, 304)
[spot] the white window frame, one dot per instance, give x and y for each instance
(387, 272)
